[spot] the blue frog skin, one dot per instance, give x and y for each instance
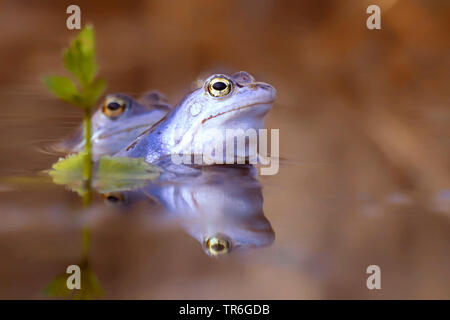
(223, 102)
(117, 122)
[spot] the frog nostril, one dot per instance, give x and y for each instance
(219, 86)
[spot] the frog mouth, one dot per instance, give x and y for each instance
(113, 133)
(236, 109)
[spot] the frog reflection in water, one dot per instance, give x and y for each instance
(223, 102)
(118, 121)
(220, 206)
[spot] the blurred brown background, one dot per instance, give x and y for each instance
(363, 118)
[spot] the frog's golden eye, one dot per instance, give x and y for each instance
(113, 198)
(114, 107)
(219, 87)
(217, 245)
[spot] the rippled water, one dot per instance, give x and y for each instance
(309, 231)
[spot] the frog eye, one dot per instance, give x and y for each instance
(217, 245)
(114, 107)
(113, 198)
(219, 87)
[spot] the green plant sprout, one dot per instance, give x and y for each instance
(78, 172)
(80, 60)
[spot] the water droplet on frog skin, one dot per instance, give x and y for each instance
(195, 109)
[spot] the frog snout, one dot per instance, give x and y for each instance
(268, 88)
(264, 86)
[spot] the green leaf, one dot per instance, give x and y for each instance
(68, 171)
(110, 173)
(93, 92)
(63, 88)
(79, 58)
(122, 173)
(68, 168)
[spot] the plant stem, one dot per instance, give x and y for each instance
(87, 165)
(86, 244)
(87, 181)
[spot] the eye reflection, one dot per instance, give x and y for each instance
(113, 198)
(217, 246)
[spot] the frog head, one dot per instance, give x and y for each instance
(222, 103)
(118, 120)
